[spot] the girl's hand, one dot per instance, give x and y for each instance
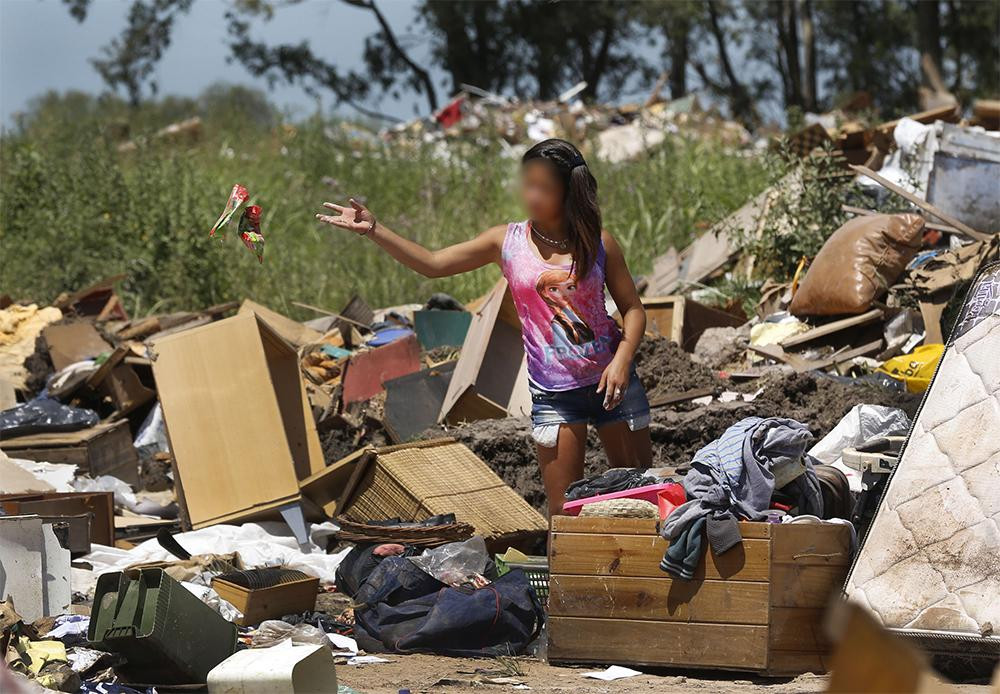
(356, 218)
(614, 382)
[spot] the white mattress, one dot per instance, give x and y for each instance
(931, 560)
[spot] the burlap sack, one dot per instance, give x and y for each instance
(857, 264)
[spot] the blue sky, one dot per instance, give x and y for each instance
(43, 48)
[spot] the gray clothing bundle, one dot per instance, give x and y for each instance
(731, 479)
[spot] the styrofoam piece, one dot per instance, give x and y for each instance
(34, 567)
(283, 668)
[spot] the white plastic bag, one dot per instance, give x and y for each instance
(862, 423)
(455, 563)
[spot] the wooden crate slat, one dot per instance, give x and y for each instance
(811, 544)
(639, 557)
(796, 662)
(734, 602)
(798, 629)
(588, 640)
(638, 526)
(805, 586)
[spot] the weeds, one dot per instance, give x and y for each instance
(73, 209)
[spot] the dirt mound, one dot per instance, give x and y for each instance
(678, 432)
(664, 367)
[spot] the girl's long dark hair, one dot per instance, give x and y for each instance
(580, 210)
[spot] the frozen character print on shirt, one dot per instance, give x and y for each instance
(557, 288)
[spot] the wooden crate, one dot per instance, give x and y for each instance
(758, 607)
(683, 320)
(105, 449)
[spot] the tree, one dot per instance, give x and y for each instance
(129, 60)
(536, 48)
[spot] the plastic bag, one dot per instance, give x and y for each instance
(152, 436)
(456, 563)
(915, 369)
(42, 415)
(271, 632)
(860, 424)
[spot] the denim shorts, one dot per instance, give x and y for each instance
(551, 408)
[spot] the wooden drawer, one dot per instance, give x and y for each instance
(758, 607)
(105, 449)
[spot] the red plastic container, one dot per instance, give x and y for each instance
(669, 491)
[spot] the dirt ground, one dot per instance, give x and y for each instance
(441, 675)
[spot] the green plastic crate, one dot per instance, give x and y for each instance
(536, 569)
(167, 634)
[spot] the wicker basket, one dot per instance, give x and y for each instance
(427, 478)
(417, 536)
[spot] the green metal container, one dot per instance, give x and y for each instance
(167, 634)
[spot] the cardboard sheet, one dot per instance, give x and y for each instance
(236, 412)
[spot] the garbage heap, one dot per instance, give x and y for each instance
(225, 495)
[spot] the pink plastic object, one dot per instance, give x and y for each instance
(651, 493)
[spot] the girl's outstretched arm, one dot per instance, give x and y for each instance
(451, 260)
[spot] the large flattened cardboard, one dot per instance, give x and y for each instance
(929, 565)
(240, 427)
(491, 377)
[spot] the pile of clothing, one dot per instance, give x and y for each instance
(731, 479)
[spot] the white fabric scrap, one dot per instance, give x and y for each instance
(367, 660)
(615, 672)
(270, 543)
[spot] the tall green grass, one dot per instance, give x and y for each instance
(73, 209)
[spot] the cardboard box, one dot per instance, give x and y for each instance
(368, 370)
(418, 480)
(683, 320)
(491, 377)
(758, 607)
(105, 449)
(72, 342)
(412, 402)
(239, 424)
(441, 328)
(290, 330)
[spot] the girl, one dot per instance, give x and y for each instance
(557, 264)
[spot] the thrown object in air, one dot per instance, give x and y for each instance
(249, 229)
(282, 668)
(237, 197)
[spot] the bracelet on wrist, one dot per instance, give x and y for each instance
(371, 227)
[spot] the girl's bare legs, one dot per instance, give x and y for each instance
(562, 464)
(624, 447)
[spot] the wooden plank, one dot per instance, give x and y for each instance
(832, 327)
(671, 398)
(725, 602)
(798, 629)
(805, 586)
(638, 526)
(634, 642)
(923, 204)
(811, 544)
(614, 526)
(639, 556)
